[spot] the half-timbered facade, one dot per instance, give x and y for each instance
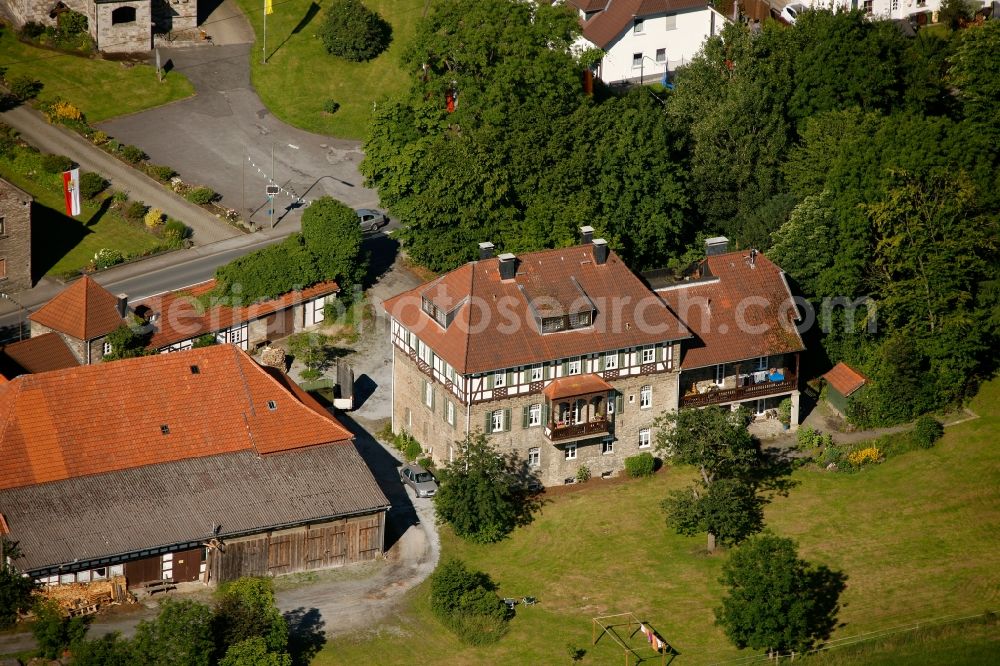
(564, 356)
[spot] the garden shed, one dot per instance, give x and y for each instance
(843, 383)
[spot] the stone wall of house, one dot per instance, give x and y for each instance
(15, 239)
(430, 427)
(175, 15)
(123, 37)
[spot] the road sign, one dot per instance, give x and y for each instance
(272, 190)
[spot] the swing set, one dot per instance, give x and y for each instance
(608, 624)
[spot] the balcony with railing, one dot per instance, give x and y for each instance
(749, 386)
(576, 407)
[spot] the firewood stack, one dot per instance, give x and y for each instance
(88, 598)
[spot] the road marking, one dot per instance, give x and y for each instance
(292, 145)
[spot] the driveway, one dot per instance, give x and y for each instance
(224, 137)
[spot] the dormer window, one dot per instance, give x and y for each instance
(434, 312)
(568, 322)
(553, 324)
(580, 320)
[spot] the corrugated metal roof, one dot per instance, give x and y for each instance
(123, 512)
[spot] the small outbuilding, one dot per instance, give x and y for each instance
(843, 383)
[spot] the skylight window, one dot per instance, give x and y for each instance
(272, 405)
(165, 429)
(195, 370)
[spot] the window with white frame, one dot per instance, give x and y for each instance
(637, 25)
(534, 456)
(570, 452)
(894, 5)
(499, 379)
(611, 361)
(575, 367)
(535, 415)
(536, 373)
(762, 363)
(637, 60)
(661, 55)
(646, 397)
(428, 394)
(671, 20)
(451, 413)
(497, 421)
(107, 348)
(645, 438)
(607, 448)
(648, 354)
(720, 374)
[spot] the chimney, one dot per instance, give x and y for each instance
(486, 250)
(717, 245)
(600, 251)
(753, 257)
(508, 266)
(122, 305)
(586, 235)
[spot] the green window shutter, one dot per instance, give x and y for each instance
(488, 428)
(488, 382)
(433, 399)
(545, 414)
(510, 378)
(506, 419)
(600, 363)
(524, 416)
(547, 371)
(620, 403)
(622, 360)
(565, 368)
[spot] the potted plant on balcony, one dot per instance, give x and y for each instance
(785, 413)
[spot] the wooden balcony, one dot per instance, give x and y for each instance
(754, 391)
(558, 433)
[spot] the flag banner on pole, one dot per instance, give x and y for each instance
(268, 7)
(71, 189)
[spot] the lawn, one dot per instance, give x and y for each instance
(915, 536)
(100, 88)
(62, 245)
(300, 76)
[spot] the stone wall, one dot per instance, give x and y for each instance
(431, 428)
(123, 37)
(15, 238)
(175, 15)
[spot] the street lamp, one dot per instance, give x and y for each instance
(20, 324)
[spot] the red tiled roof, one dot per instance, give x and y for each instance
(745, 313)
(42, 353)
(494, 324)
(845, 379)
(589, 5)
(605, 27)
(110, 417)
(181, 315)
(568, 387)
(85, 310)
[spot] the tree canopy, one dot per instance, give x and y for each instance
(774, 600)
(354, 32)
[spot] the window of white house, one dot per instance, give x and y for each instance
(661, 55)
(570, 451)
(496, 421)
(535, 415)
(720, 374)
(107, 348)
(894, 5)
(534, 457)
(536, 373)
(637, 25)
(611, 361)
(428, 394)
(607, 448)
(499, 379)
(671, 20)
(762, 363)
(637, 60)
(451, 413)
(648, 354)
(645, 438)
(868, 6)
(646, 397)
(575, 367)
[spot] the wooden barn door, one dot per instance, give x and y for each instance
(187, 565)
(144, 570)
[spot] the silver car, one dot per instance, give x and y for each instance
(423, 482)
(371, 220)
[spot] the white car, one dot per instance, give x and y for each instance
(791, 12)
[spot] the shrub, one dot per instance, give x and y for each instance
(354, 32)
(206, 340)
(830, 454)
(32, 30)
(160, 172)
(331, 106)
(24, 87)
(153, 218)
(785, 411)
(107, 257)
(132, 154)
(71, 23)
(54, 632)
(92, 184)
(118, 198)
(412, 450)
(467, 603)
(201, 195)
(806, 437)
(425, 462)
(99, 138)
(56, 163)
(175, 230)
(583, 474)
(269, 272)
(926, 431)
(641, 465)
(136, 211)
(862, 457)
